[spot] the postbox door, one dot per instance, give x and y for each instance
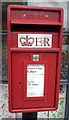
(41, 93)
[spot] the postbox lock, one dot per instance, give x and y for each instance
(19, 83)
(35, 57)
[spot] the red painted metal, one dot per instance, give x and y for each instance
(35, 50)
(33, 20)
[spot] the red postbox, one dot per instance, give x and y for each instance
(34, 57)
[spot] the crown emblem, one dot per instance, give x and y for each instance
(26, 41)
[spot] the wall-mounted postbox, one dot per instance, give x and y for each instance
(34, 57)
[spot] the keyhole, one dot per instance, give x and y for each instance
(19, 83)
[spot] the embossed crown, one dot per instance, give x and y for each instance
(26, 41)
